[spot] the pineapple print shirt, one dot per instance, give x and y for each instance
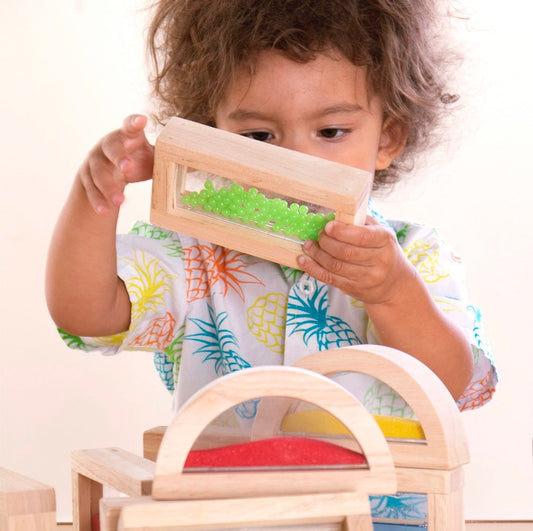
(205, 311)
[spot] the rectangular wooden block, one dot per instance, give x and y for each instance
(25, 504)
(321, 186)
(282, 512)
(122, 470)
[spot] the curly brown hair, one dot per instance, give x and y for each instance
(197, 46)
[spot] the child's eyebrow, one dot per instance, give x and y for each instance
(243, 114)
(340, 108)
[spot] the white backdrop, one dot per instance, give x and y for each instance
(72, 70)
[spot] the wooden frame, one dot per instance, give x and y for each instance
(433, 467)
(172, 482)
(93, 468)
(198, 500)
(26, 504)
(183, 144)
(349, 511)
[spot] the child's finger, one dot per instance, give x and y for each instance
(371, 221)
(129, 150)
(114, 149)
(371, 235)
(134, 124)
(347, 252)
(132, 132)
(95, 197)
(347, 277)
(335, 265)
(105, 177)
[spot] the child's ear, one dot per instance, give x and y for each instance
(391, 142)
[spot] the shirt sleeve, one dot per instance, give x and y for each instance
(150, 262)
(443, 273)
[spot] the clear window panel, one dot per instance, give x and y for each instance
(282, 215)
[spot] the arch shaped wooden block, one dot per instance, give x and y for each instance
(436, 471)
(434, 466)
(298, 177)
(445, 447)
(184, 499)
(171, 481)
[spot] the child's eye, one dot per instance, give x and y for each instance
(332, 133)
(262, 136)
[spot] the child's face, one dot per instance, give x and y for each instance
(321, 108)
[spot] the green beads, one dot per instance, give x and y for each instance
(253, 208)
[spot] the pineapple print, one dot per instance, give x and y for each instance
(446, 305)
(159, 333)
(426, 261)
(406, 506)
(290, 273)
(110, 341)
(211, 269)
(226, 420)
(148, 287)
(150, 231)
(167, 363)
(74, 342)
(401, 234)
(219, 345)
(380, 399)
(479, 334)
(475, 395)
(266, 320)
(173, 351)
(157, 233)
(308, 314)
(356, 303)
(165, 370)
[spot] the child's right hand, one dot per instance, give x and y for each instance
(121, 157)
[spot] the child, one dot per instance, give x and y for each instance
(356, 82)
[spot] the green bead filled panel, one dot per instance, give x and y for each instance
(249, 196)
(255, 208)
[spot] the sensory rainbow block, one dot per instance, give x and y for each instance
(250, 196)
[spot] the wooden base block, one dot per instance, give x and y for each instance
(25, 504)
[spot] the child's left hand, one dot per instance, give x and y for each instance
(367, 263)
(364, 262)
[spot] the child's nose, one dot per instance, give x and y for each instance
(298, 143)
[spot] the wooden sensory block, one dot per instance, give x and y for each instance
(282, 482)
(257, 198)
(25, 504)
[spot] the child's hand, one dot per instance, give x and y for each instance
(121, 157)
(365, 262)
